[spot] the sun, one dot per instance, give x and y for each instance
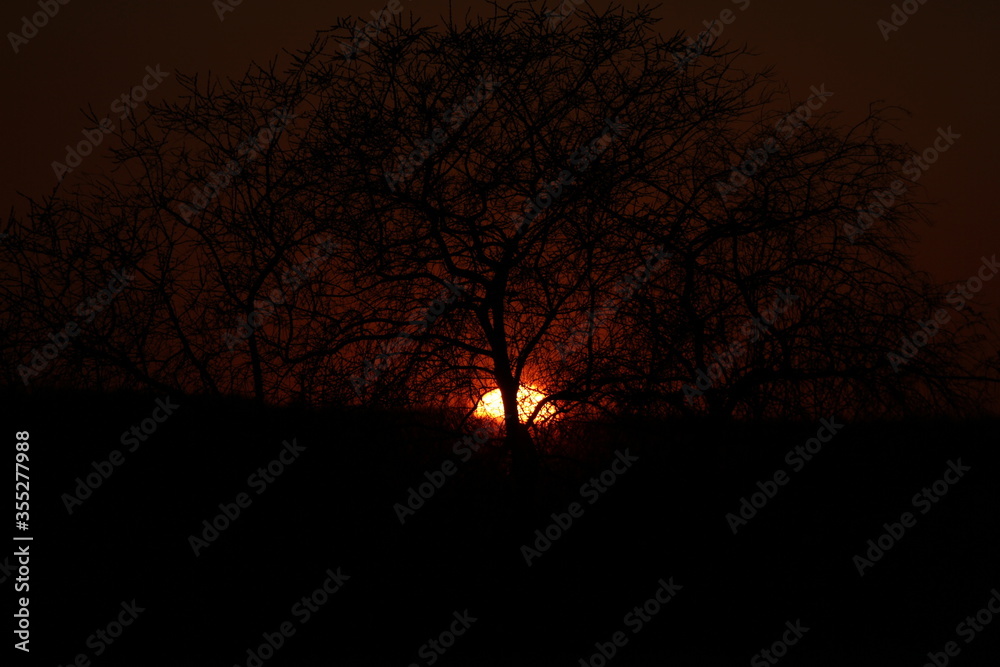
(491, 405)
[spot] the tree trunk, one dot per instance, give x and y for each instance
(258, 372)
(523, 457)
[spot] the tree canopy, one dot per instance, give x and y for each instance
(586, 206)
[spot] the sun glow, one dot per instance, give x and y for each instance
(491, 405)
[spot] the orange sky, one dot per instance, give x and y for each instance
(939, 64)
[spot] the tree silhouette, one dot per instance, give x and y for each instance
(495, 202)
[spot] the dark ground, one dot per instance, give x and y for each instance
(665, 517)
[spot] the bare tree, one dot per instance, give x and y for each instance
(586, 206)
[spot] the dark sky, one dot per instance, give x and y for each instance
(940, 65)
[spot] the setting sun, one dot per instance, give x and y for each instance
(491, 405)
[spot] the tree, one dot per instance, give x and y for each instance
(587, 205)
